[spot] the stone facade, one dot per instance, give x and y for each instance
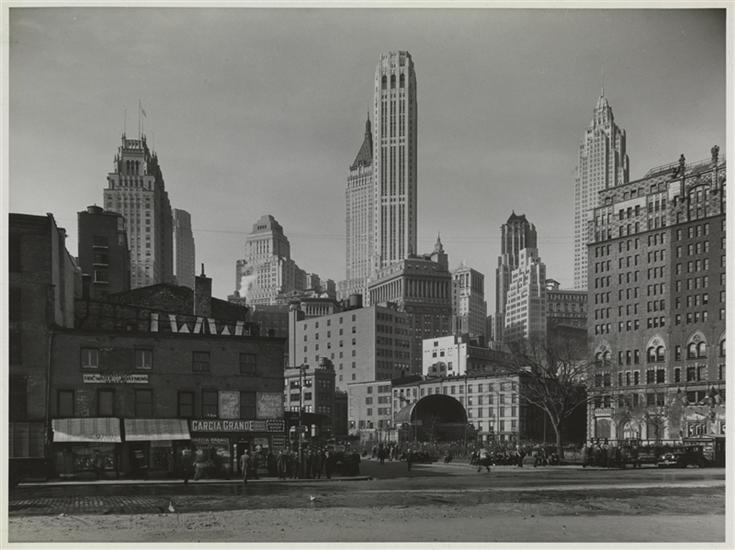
(469, 308)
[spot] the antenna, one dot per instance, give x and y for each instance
(125, 120)
(602, 79)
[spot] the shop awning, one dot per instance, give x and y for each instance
(156, 429)
(85, 430)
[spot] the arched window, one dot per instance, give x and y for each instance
(651, 355)
(392, 81)
(702, 349)
(384, 83)
(606, 357)
(722, 348)
(660, 354)
(403, 81)
(692, 351)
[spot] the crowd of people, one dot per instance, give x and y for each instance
(603, 454)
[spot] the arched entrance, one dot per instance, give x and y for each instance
(433, 418)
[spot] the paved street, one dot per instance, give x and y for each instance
(451, 493)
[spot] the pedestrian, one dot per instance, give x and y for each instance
(409, 459)
(585, 455)
(317, 464)
(605, 454)
(483, 460)
(328, 463)
(186, 464)
(244, 465)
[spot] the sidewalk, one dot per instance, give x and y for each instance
(163, 482)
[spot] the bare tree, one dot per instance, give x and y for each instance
(552, 376)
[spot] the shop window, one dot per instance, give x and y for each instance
(248, 409)
(186, 404)
(143, 359)
(65, 403)
(90, 358)
(105, 402)
(144, 403)
(200, 361)
(248, 364)
(210, 408)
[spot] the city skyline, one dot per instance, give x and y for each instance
(509, 143)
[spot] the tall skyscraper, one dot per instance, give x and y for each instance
(469, 308)
(359, 217)
(184, 249)
(603, 163)
(394, 159)
(136, 190)
(515, 235)
(102, 251)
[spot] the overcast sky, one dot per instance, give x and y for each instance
(261, 111)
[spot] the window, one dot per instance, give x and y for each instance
(660, 376)
(144, 403)
(65, 403)
(143, 359)
(186, 404)
(90, 358)
(210, 406)
(200, 362)
(677, 374)
(248, 364)
(105, 402)
(248, 408)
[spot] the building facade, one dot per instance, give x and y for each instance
(657, 304)
(394, 166)
(602, 163)
(453, 355)
(420, 286)
(184, 249)
(135, 382)
(267, 272)
(359, 199)
(369, 343)
(42, 281)
(136, 190)
(525, 306)
(103, 252)
(565, 307)
(469, 308)
(515, 235)
(313, 390)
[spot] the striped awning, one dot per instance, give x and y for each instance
(85, 430)
(156, 429)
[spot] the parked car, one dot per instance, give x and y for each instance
(681, 458)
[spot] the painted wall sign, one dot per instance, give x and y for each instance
(199, 325)
(115, 378)
(237, 425)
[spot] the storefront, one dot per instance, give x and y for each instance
(218, 444)
(86, 448)
(153, 446)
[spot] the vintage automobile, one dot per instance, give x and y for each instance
(682, 457)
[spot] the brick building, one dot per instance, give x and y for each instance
(656, 304)
(42, 280)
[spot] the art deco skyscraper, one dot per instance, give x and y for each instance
(359, 197)
(184, 250)
(136, 190)
(394, 159)
(516, 234)
(603, 163)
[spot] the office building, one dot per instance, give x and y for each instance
(469, 308)
(602, 163)
(525, 306)
(136, 190)
(394, 166)
(184, 250)
(515, 235)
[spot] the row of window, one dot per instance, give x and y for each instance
(655, 399)
(90, 358)
(144, 404)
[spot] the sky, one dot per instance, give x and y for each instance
(261, 111)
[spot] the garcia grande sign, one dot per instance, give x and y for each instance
(276, 425)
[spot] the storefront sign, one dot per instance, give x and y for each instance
(115, 378)
(274, 425)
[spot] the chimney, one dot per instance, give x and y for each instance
(203, 295)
